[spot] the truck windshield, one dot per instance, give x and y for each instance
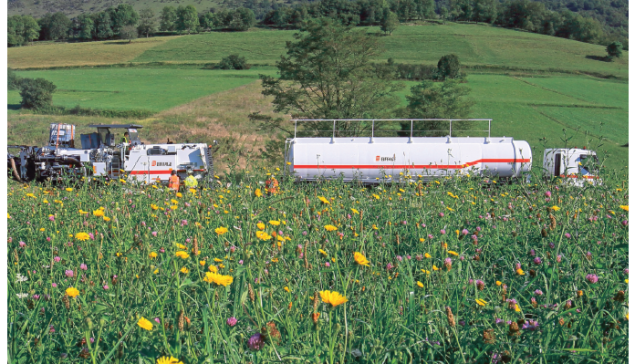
(588, 164)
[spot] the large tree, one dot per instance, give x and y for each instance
(147, 23)
(328, 73)
(85, 25)
(168, 19)
(429, 100)
(187, 18)
(389, 22)
(54, 26)
(124, 15)
(102, 29)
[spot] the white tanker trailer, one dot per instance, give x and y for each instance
(399, 159)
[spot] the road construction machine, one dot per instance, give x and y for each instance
(99, 155)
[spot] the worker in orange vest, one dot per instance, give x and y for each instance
(271, 186)
(174, 182)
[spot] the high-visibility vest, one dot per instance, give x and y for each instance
(271, 186)
(191, 182)
(174, 183)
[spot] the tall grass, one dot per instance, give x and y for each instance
(516, 265)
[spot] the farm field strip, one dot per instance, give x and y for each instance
(152, 89)
(51, 54)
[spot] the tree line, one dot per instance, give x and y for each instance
(124, 22)
(527, 15)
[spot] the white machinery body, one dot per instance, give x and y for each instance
(145, 163)
(145, 166)
(569, 164)
(398, 159)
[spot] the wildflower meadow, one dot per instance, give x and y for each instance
(458, 270)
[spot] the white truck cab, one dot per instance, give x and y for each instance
(574, 165)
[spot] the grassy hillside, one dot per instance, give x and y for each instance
(153, 89)
(52, 54)
(476, 45)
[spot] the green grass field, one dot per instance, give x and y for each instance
(476, 45)
(153, 89)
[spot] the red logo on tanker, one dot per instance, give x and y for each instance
(154, 163)
(385, 159)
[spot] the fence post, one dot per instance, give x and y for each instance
(372, 133)
(411, 129)
(450, 128)
(333, 137)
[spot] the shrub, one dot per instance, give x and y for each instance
(13, 80)
(614, 50)
(449, 67)
(36, 93)
(233, 62)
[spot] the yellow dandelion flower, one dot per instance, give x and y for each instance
(330, 228)
(334, 298)
(355, 211)
(481, 302)
(106, 218)
(361, 259)
(153, 255)
(182, 254)
(82, 236)
(145, 324)
(98, 213)
(168, 360)
(427, 255)
(520, 272)
(498, 283)
(324, 200)
(419, 284)
(260, 226)
(322, 252)
(555, 208)
(451, 252)
(72, 292)
(624, 207)
(221, 230)
(184, 270)
(213, 269)
(218, 279)
(274, 222)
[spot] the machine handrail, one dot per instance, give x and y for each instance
(295, 122)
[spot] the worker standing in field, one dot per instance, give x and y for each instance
(126, 138)
(271, 185)
(174, 181)
(190, 181)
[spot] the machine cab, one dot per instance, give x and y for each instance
(575, 166)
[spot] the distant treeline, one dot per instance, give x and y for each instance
(124, 22)
(528, 15)
(595, 21)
